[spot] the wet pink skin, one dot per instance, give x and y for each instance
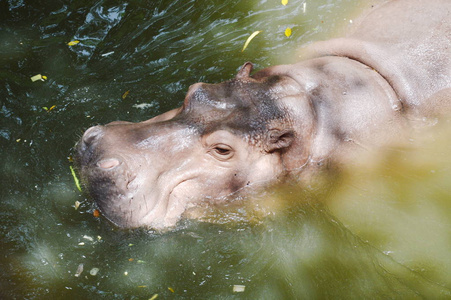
(357, 92)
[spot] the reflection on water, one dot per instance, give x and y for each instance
(381, 231)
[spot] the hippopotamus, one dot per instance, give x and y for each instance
(355, 92)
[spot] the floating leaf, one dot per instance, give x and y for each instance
(77, 183)
(125, 95)
(238, 288)
(79, 270)
(171, 289)
(249, 39)
(94, 271)
(49, 109)
(284, 2)
(107, 54)
(38, 77)
(87, 237)
(96, 213)
(72, 43)
(154, 297)
(288, 31)
(77, 205)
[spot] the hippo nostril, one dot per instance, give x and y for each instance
(91, 134)
(108, 163)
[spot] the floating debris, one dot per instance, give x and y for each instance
(171, 290)
(96, 213)
(94, 271)
(143, 105)
(237, 288)
(73, 43)
(124, 95)
(106, 54)
(77, 205)
(79, 270)
(77, 182)
(38, 77)
(288, 32)
(154, 297)
(284, 2)
(87, 237)
(249, 39)
(49, 109)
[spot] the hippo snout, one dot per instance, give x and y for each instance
(90, 153)
(90, 138)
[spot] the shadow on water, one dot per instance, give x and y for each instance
(381, 231)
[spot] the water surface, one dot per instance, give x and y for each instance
(383, 232)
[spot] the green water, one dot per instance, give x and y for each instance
(382, 232)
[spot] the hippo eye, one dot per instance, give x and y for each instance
(222, 151)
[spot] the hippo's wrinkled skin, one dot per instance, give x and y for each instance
(358, 91)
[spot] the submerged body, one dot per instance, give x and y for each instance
(360, 91)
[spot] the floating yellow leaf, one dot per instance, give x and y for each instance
(38, 77)
(288, 31)
(154, 297)
(171, 289)
(72, 43)
(249, 39)
(125, 95)
(49, 109)
(284, 2)
(77, 183)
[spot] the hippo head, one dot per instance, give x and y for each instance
(225, 138)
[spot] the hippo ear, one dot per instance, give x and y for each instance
(278, 139)
(245, 71)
